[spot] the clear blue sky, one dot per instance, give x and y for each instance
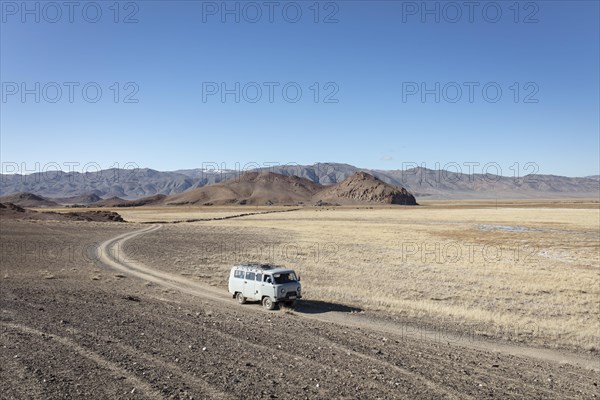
(373, 54)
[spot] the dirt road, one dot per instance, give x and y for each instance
(138, 332)
(119, 261)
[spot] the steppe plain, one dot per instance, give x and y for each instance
(444, 300)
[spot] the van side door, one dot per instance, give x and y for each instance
(236, 282)
(249, 290)
(266, 286)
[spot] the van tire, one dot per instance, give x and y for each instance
(268, 303)
(240, 298)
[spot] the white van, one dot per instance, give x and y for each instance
(269, 284)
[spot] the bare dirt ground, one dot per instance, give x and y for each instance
(81, 316)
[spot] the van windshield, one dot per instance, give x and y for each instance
(284, 277)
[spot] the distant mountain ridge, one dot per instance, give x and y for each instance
(421, 182)
(124, 183)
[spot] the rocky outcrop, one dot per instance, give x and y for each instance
(363, 188)
(12, 211)
(28, 200)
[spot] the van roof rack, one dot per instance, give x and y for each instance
(260, 266)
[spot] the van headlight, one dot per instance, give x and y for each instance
(282, 290)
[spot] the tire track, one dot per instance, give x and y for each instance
(116, 259)
(116, 370)
(413, 377)
(208, 390)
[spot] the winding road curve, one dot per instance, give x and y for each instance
(112, 255)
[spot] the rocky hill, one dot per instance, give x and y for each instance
(363, 188)
(111, 202)
(157, 199)
(83, 199)
(28, 200)
(10, 211)
(255, 188)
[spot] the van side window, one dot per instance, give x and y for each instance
(259, 277)
(238, 274)
(250, 275)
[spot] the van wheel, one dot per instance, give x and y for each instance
(240, 298)
(268, 303)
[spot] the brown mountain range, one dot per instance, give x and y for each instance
(258, 188)
(270, 188)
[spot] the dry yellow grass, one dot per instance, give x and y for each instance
(514, 270)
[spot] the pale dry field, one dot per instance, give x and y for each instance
(173, 214)
(526, 273)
